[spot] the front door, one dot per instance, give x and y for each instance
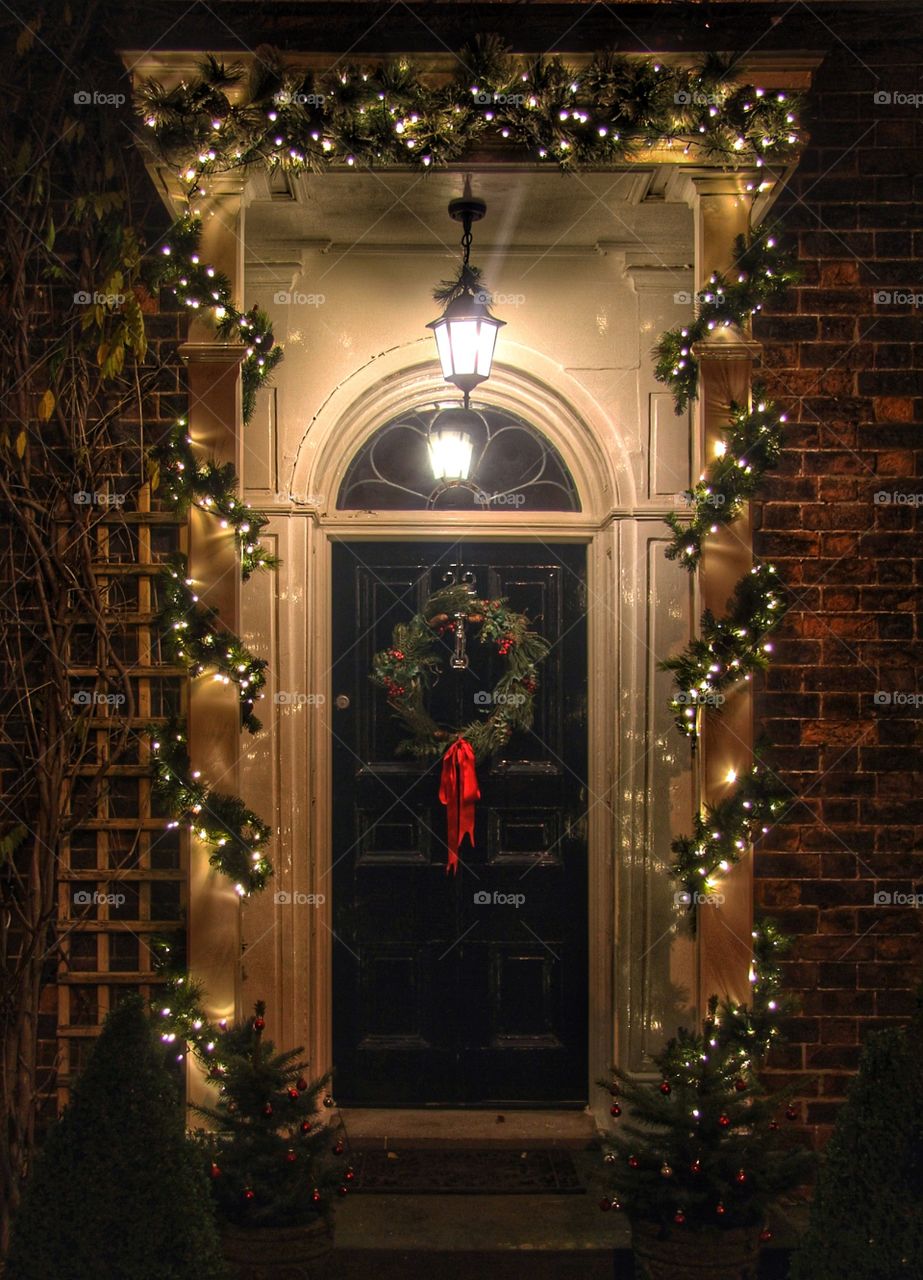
(472, 989)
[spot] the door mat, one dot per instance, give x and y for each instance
(429, 1171)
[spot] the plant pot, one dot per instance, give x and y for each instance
(277, 1253)
(686, 1254)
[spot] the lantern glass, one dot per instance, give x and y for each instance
(465, 340)
(450, 454)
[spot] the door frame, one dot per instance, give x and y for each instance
(585, 438)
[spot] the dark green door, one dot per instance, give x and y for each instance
(471, 989)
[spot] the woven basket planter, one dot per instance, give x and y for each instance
(278, 1253)
(685, 1254)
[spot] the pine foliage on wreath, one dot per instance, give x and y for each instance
(410, 665)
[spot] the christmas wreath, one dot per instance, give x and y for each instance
(409, 666)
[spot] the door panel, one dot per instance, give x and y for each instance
(468, 989)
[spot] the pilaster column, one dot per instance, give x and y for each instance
(721, 207)
(215, 420)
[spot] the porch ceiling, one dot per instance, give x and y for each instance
(641, 208)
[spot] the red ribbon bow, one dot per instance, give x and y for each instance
(458, 790)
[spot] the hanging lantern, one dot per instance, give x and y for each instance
(466, 332)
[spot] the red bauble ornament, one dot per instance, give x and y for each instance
(259, 1023)
(328, 1101)
(293, 1094)
(267, 1110)
(306, 1126)
(765, 1234)
(349, 1175)
(315, 1196)
(633, 1162)
(301, 1084)
(724, 1121)
(740, 1176)
(343, 1190)
(338, 1149)
(740, 1085)
(249, 1194)
(679, 1217)
(215, 1171)
(615, 1109)
(290, 1156)
(791, 1112)
(696, 1166)
(665, 1086)
(605, 1205)
(719, 1208)
(773, 1124)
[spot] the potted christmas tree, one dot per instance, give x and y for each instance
(274, 1154)
(697, 1157)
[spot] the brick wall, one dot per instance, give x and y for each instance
(847, 367)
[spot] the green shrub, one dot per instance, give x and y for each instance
(116, 1193)
(867, 1215)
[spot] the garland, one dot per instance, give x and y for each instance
(408, 667)
(191, 634)
(764, 270)
(212, 487)
(233, 832)
(727, 649)
(608, 113)
(749, 447)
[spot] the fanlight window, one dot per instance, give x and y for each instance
(509, 466)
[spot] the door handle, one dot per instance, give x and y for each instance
(341, 701)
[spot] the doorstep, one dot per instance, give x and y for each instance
(370, 1127)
